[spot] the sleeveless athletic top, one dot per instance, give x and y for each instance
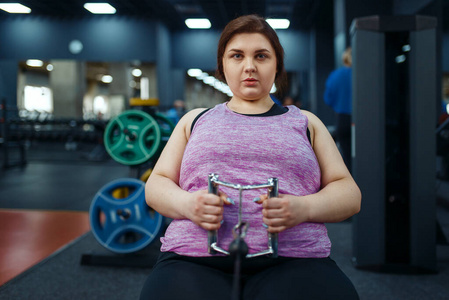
(249, 150)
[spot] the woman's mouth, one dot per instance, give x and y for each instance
(250, 81)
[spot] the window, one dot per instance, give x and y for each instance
(39, 98)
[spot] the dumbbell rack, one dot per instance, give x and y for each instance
(8, 143)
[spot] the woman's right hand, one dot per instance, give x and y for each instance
(206, 209)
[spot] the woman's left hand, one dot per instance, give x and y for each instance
(282, 212)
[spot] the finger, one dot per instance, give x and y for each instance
(260, 199)
(274, 211)
(274, 225)
(211, 218)
(277, 229)
(273, 222)
(213, 210)
(210, 226)
(272, 203)
(211, 199)
(211, 222)
(226, 200)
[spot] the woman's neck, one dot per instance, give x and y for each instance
(250, 106)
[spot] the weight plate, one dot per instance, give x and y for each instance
(166, 126)
(132, 137)
(123, 225)
(144, 177)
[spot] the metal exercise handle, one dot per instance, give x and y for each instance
(212, 234)
(273, 237)
(212, 239)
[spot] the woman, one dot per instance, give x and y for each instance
(246, 141)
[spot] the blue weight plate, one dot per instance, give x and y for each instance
(123, 225)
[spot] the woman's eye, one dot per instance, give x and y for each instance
(261, 56)
(237, 56)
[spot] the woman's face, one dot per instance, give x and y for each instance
(249, 66)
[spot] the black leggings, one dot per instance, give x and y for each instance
(179, 277)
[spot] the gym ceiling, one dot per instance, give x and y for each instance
(302, 13)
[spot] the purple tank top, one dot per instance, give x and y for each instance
(249, 150)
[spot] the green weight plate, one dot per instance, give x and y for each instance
(132, 137)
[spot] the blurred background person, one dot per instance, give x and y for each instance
(177, 111)
(338, 95)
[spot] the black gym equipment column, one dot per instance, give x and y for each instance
(394, 98)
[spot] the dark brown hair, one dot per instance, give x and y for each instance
(253, 24)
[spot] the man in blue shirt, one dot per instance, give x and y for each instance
(338, 95)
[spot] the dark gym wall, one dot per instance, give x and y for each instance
(195, 49)
(105, 38)
(409, 6)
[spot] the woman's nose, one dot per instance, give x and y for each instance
(249, 66)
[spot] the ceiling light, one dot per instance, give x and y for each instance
(218, 85)
(136, 72)
(15, 8)
(75, 46)
(100, 8)
(198, 23)
(279, 23)
(400, 58)
(194, 72)
(34, 63)
(202, 76)
(210, 80)
(106, 78)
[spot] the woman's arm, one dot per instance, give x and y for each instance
(162, 191)
(338, 199)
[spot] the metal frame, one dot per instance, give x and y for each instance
(212, 240)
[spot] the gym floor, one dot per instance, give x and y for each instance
(44, 205)
(44, 209)
(29, 236)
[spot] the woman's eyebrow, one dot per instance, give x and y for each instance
(257, 51)
(262, 50)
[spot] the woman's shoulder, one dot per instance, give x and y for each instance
(314, 124)
(192, 114)
(189, 118)
(312, 118)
